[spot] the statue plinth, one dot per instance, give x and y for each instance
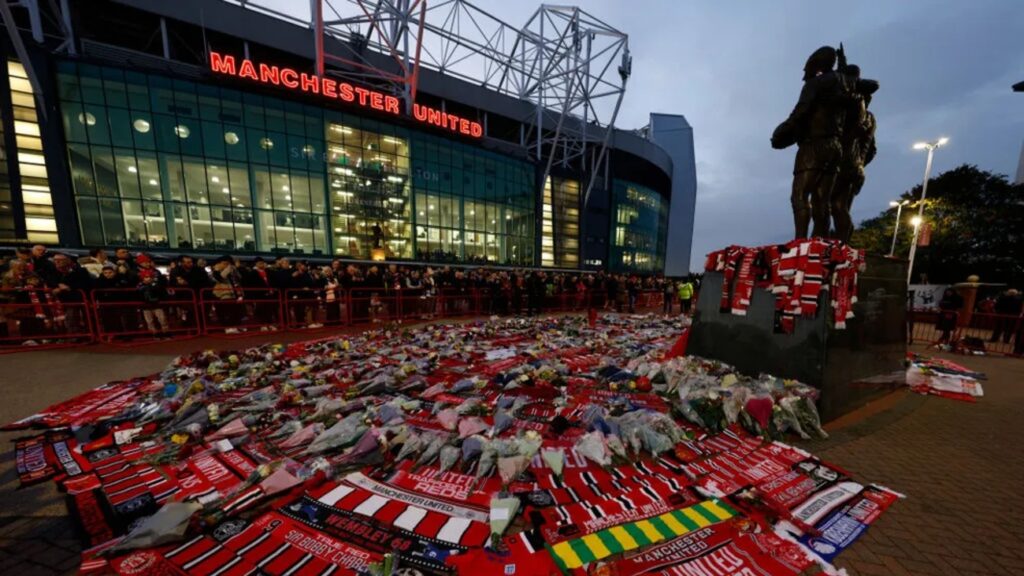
(850, 367)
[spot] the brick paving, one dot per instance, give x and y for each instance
(960, 465)
(962, 468)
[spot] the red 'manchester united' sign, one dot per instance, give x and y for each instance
(336, 89)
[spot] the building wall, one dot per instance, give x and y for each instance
(639, 229)
(152, 150)
(675, 135)
(172, 164)
(26, 206)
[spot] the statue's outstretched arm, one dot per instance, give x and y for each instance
(788, 133)
(866, 87)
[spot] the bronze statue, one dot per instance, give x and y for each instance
(815, 125)
(858, 142)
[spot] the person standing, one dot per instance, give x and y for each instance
(260, 282)
(303, 297)
(534, 293)
(228, 293)
(611, 285)
(949, 313)
(632, 291)
(70, 283)
(669, 292)
(686, 296)
(1008, 308)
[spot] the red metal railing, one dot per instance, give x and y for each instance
(44, 318)
(995, 333)
(239, 311)
(123, 316)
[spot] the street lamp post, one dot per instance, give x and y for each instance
(896, 230)
(930, 147)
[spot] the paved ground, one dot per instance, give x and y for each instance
(961, 466)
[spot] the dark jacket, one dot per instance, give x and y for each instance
(196, 278)
(77, 279)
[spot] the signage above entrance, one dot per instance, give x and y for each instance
(335, 89)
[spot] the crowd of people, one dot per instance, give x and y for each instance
(45, 294)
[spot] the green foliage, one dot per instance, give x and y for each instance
(977, 221)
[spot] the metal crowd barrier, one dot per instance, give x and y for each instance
(123, 317)
(993, 333)
(44, 318)
(237, 312)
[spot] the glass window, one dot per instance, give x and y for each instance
(149, 176)
(106, 175)
(89, 221)
(192, 165)
(189, 133)
(67, 83)
(195, 181)
(127, 174)
(300, 193)
(178, 225)
(174, 180)
(202, 227)
(165, 130)
(257, 144)
(155, 224)
(161, 95)
(238, 177)
(81, 170)
(640, 228)
(209, 103)
(223, 228)
(138, 92)
(186, 105)
(92, 84)
(276, 146)
(235, 142)
(281, 191)
(114, 88)
(142, 130)
(245, 238)
(97, 127)
(213, 140)
(113, 221)
(74, 129)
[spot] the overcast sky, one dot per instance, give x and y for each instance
(734, 69)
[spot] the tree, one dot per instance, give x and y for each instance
(977, 223)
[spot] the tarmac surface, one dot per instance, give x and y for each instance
(960, 464)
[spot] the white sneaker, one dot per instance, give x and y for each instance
(316, 325)
(30, 343)
(231, 330)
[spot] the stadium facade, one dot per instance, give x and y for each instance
(203, 127)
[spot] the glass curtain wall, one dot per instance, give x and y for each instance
(640, 229)
(560, 223)
(369, 187)
(166, 163)
(40, 224)
(471, 205)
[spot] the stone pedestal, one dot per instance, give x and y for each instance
(850, 366)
